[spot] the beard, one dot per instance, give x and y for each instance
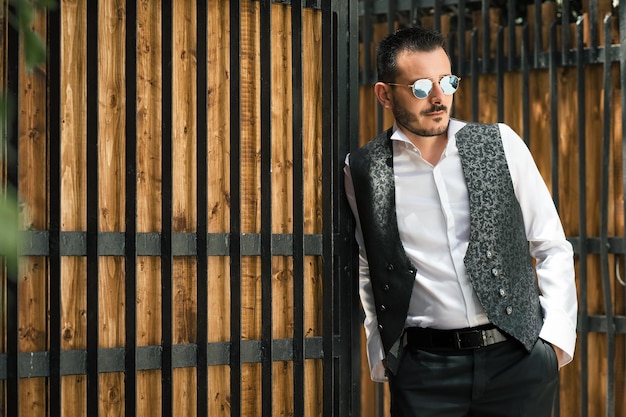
(410, 121)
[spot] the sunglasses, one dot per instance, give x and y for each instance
(423, 87)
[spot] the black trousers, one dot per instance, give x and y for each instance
(501, 380)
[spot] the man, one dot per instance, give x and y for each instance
(466, 277)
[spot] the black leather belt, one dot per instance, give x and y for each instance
(471, 338)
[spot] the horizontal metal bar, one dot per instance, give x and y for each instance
(599, 324)
(616, 245)
(35, 243)
(309, 4)
(382, 6)
(567, 58)
(74, 362)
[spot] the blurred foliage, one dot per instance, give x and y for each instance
(21, 15)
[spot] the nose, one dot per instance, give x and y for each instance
(436, 94)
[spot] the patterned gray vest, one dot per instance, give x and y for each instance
(498, 261)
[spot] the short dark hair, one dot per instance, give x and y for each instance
(415, 39)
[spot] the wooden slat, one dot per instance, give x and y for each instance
(32, 273)
(112, 176)
(184, 172)
(282, 201)
(73, 195)
(218, 197)
(312, 133)
(149, 120)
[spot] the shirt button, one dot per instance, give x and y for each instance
(509, 310)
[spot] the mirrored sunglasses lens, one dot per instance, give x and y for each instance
(449, 84)
(421, 88)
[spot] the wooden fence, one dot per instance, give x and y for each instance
(559, 84)
(176, 168)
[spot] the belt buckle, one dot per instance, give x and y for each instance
(458, 343)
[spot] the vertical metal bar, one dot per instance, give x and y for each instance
(166, 210)
(298, 207)
(583, 325)
(11, 146)
(500, 74)
(328, 105)
(350, 271)
(486, 35)
(202, 210)
(537, 49)
(391, 16)
(565, 31)
(604, 218)
(525, 84)
(235, 208)
(475, 74)
(593, 29)
(93, 211)
(622, 43)
(511, 34)
(54, 175)
(414, 13)
(366, 33)
(554, 114)
(347, 127)
(330, 269)
(554, 148)
(266, 206)
(130, 245)
(461, 28)
(437, 13)
(380, 402)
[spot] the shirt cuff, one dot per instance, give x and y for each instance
(561, 333)
(375, 356)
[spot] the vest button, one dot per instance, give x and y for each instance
(386, 287)
(380, 327)
(383, 307)
(509, 310)
(502, 292)
(389, 267)
(489, 254)
(495, 272)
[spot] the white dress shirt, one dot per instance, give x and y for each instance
(433, 219)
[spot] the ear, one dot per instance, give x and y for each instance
(383, 94)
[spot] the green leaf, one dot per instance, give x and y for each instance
(9, 238)
(25, 14)
(34, 49)
(47, 4)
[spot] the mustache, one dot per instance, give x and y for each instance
(435, 108)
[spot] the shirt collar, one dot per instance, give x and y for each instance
(454, 126)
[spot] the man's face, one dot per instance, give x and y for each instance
(421, 117)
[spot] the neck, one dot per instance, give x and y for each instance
(431, 147)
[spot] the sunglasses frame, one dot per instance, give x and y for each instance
(439, 78)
